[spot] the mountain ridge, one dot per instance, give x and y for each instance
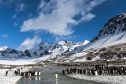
(41, 50)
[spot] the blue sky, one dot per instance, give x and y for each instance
(25, 23)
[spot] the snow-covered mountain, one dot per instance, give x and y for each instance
(41, 50)
(54, 50)
(110, 40)
(114, 26)
(109, 44)
(11, 53)
(113, 33)
(3, 48)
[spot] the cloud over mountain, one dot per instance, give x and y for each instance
(29, 43)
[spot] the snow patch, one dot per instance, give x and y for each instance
(3, 48)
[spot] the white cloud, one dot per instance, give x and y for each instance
(57, 16)
(29, 43)
(4, 36)
(87, 17)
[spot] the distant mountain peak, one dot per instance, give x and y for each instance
(3, 48)
(115, 25)
(86, 42)
(65, 42)
(61, 42)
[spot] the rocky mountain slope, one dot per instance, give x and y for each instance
(114, 26)
(109, 44)
(113, 33)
